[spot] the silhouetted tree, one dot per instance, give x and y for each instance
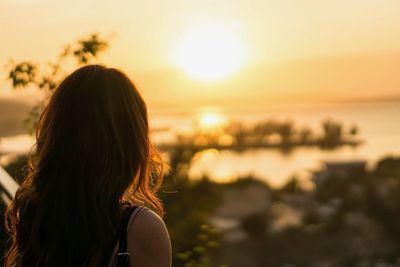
(305, 135)
(47, 77)
(285, 130)
(332, 133)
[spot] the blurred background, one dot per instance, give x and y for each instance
(279, 119)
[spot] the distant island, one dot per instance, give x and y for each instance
(268, 134)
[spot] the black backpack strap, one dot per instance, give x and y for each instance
(123, 254)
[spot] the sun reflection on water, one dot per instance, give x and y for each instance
(211, 157)
(211, 120)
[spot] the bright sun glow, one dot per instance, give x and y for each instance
(209, 53)
(211, 120)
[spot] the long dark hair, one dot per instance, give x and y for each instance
(92, 154)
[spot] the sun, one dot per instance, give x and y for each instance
(209, 53)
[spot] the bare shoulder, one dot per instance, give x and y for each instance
(148, 241)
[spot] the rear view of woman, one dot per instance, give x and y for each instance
(91, 176)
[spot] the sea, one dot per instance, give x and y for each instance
(378, 123)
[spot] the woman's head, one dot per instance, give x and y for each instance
(92, 153)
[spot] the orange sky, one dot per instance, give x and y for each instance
(296, 50)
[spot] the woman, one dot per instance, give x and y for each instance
(93, 172)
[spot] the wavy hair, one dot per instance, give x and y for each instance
(92, 154)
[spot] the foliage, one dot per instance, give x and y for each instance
(292, 186)
(284, 135)
(388, 167)
(187, 206)
(332, 133)
(199, 255)
(255, 225)
(46, 77)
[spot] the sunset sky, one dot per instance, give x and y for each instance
(219, 51)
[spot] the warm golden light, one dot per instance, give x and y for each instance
(209, 53)
(211, 120)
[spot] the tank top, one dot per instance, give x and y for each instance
(120, 248)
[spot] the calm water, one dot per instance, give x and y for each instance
(378, 123)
